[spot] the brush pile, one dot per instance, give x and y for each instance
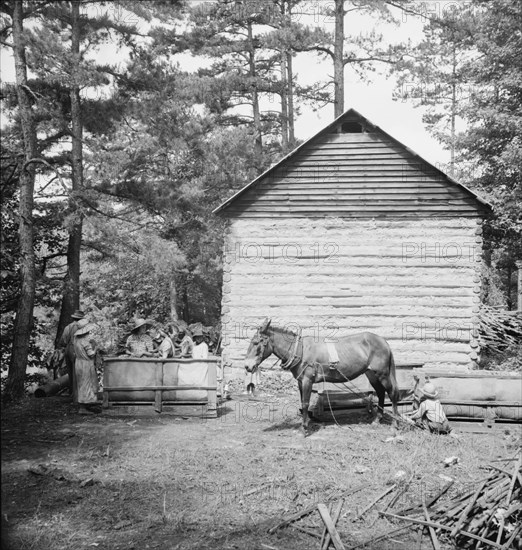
(490, 516)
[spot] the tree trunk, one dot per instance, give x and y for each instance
(453, 111)
(338, 59)
(173, 295)
(255, 94)
(291, 121)
(284, 102)
(23, 324)
(71, 295)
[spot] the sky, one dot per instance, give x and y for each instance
(372, 99)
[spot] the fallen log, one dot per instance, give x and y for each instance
(52, 387)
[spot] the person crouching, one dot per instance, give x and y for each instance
(430, 414)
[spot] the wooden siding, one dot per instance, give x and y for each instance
(360, 175)
(415, 282)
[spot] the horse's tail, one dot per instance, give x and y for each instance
(393, 379)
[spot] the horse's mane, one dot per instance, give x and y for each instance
(279, 330)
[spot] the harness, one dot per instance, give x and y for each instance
(289, 363)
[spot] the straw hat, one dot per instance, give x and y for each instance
(85, 328)
(78, 314)
(139, 323)
(429, 390)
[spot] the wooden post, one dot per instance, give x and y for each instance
(158, 394)
(519, 289)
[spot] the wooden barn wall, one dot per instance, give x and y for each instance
(354, 175)
(415, 282)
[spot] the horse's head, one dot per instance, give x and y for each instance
(259, 349)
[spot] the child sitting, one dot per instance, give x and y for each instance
(430, 414)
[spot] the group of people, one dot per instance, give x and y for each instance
(145, 340)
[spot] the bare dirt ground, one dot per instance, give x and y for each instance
(111, 483)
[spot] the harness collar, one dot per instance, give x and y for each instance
(291, 358)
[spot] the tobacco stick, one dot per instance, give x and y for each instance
(508, 498)
(336, 539)
(375, 501)
(515, 532)
(298, 515)
(441, 526)
(431, 502)
(335, 518)
(467, 510)
(325, 530)
(307, 531)
(434, 539)
(381, 537)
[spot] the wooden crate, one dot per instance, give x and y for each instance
(160, 385)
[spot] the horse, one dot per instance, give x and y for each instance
(310, 362)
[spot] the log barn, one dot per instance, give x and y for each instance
(353, 231)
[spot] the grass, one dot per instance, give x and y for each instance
(216, 483)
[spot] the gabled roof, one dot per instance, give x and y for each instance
(349, 114)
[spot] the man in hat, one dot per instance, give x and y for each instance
(66, 344)
(430, 414)
(139, 343)
(86, 376)
(200, 349)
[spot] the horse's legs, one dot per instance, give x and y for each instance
(379, 389)
(391, 387)
(306, 392)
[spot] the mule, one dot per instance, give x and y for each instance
(309, 361)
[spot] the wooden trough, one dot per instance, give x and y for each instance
(464, 394)
(134, 385)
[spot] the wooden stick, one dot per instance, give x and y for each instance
(325, 530)
(381, 537)
(508, 498)
(506, 472)
(399, 493)
(375, 501)
(466, 510)
(443, 527)
(433, 535)
(310, 509)
(515, 532)
(336, 539)
(431, 502)
(336, 516)
(307, 531)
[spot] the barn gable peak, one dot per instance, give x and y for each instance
(353, 168)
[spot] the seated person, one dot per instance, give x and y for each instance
(139, 343)
(430, 414)
(164, 345)
(200, 349)
(186, 345)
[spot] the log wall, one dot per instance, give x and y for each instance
(413, 281)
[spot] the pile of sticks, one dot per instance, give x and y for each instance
(499, 329)
(489, 516)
